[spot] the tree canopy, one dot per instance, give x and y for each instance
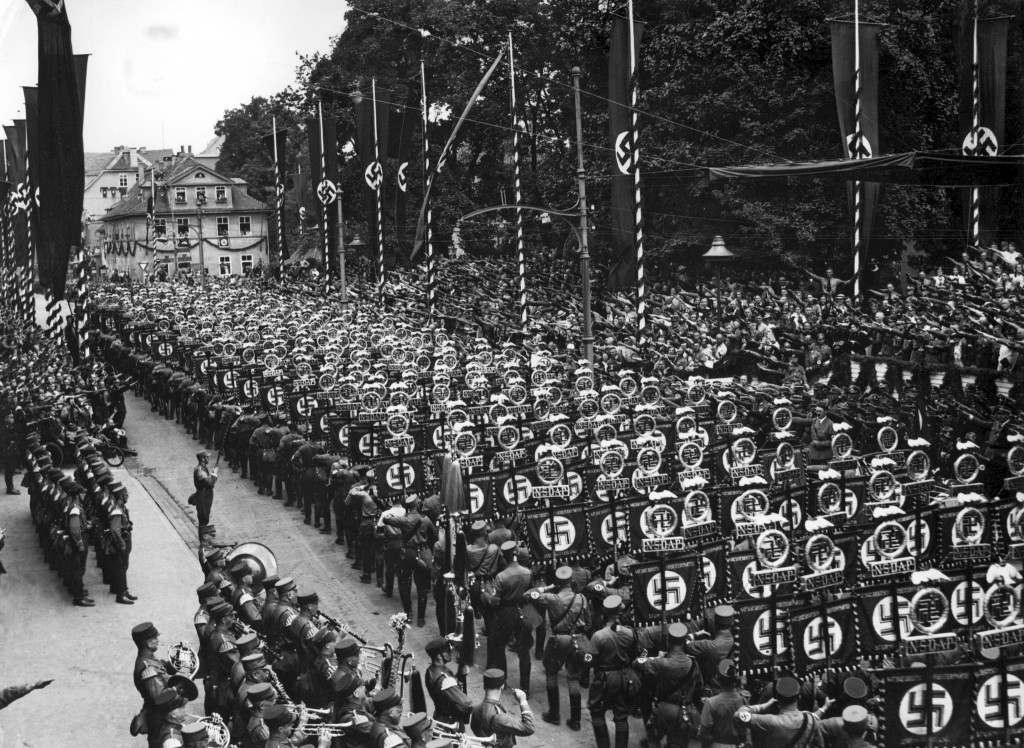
(721, 82)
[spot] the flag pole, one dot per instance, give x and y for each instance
(634, 158)
(581, 186)
(975, 125)
(431, 309)
(858, 186)
(517, 188)
(323, 205)
(379, 177)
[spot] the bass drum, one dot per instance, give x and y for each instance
(260, 559)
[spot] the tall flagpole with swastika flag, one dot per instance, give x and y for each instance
(517, 188)
(428, 232)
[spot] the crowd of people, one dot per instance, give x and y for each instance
(302, 393)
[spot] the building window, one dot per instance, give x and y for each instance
(183, 227)
(160, 227)
(222, 194)
(225, 265)
(246, 264)
(103, 191)
(123, 180)
(200, 175)
(136, 177)
(179, 194)
(244, 225)
(222, 225)
(200, 194)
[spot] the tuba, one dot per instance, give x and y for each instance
(261, 560)
(184, 661)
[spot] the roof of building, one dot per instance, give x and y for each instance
(134, 202)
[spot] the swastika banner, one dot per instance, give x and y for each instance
(824, 638)
(480, 496)
(966, 599)
(395, 477)
(918, 708)
(884, 620)
(965, 536)
(999, 699)
(753, 632)
(675, 591)
(604, 526)
(716, 579)
(565, 534)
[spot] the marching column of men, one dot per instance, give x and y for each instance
(73, 512)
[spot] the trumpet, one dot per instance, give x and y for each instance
(451, 731)
(334, 729)
(322, 619)
(472, 741)
(301, 710)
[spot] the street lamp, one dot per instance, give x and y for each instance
(718, 255)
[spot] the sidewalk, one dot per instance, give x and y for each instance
(87, 651)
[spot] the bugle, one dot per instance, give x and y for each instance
(334, 729)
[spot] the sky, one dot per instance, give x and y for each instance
(162, 73)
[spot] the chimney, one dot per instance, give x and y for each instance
(133, 157)
(190, 149)
(142, 172)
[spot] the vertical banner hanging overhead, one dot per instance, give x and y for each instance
(855, 73)
(428, 231)
(59, 163)
(322, 133)
(403, 155)
(982, 75)
(277, 147)
(372, 119)
(25, 237)
(517, 188)
(15, 235)
(621, 124)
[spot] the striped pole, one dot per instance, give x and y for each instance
(323, 206)
(425, 116)
(278, 196)
(5, 254)
(82, 299)
(378, 190)
(518, 189)
(638, 219)
(858, 186)
(28, 303)
(975, 134)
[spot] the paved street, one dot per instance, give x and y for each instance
(89, 651)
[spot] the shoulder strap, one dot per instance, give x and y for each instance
(568, 609)
(798, 738)
(411, 535)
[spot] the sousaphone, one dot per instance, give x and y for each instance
(260, 559)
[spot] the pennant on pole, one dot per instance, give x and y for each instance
(277, 144)
(322, 133)
(421, 221)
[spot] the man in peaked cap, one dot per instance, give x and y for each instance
(75, 526)
(150, 676)
(674, 678)
(790, 726)
(418, 536)
(850, 729)
(417, 726)
(204, 478)
(615, 683)
(710, 651)
(568, 611)
(491, 718)
(717, 726)
(451, 705)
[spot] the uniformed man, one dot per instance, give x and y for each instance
(510, 588)
(789, 727)
(324, 664)
(418, 536)
(243, 597)
(254, 733)
(170, 706)
(710, 651)
(204, 478)
(194, 735)
(390, 538)
(120, 529)
(717, 725)
(675, 679)
(849, 730)
(451, 705)
(222, 653)
(418, 727)
(150, 676)
(77, 530)
(568, 613)
(615, 684)
(489, 717)
(283, 731)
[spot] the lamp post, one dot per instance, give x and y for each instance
(718, 255)
(581, 181)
